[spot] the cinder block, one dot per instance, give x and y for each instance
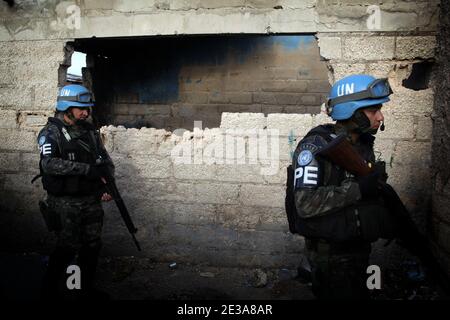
(412, 179)
(193, 214)
(194, 97)
(20, 182)
(279, 74)
(290, 124)
(280, 177)
(266, 109)
(18, 140)
(330, 47)
(406, 101)
(243, 121)
(36, 120)
(341, 70)
(384, 150)
(45, 96)
(8, 119)
(152, 167)
(368, 48)
(9, 162)
(102, 4)
(30, 162)
(320, 86)
(204, 192)
(413, 153)
(264, 98)
(195, 172)
(123, 108)
(239, 97)
(283, 85)
(238, 172)
(143, 141)
(18, 97)
(424, 128)
(380, 69)
(397, 127)
(261, 195)
(422, 47)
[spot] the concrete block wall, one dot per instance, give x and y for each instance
(440, 216)
(210, 212)
(171, 82)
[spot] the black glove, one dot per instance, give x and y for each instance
(368, 185)
(97, 171)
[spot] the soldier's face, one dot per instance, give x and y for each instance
(375, 116)
(80, 113)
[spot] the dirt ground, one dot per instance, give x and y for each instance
(131, 278)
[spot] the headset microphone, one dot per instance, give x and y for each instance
(382, 126)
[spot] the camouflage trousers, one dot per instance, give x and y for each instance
(338, 271)
(81, 221)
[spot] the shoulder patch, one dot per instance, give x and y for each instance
(304, 158)
(41, 140)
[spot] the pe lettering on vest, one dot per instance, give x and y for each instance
(306, 176)
(46, 149)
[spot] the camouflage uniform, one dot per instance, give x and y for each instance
(73, 197)
(325, 198)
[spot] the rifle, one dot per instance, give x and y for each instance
(111, 188)
(341, 152)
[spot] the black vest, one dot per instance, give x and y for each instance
(73, 150)
(368, 220)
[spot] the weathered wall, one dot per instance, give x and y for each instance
(170, 82)
(440, 218)
(226, 214)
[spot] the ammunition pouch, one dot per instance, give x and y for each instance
(51, 218)
(368, 222)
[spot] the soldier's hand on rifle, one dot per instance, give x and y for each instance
(106, 197)
(368, 185)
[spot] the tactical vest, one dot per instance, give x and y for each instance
(71, 149)
(367, 220)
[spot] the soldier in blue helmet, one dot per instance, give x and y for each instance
(330, 202)
(69, 145)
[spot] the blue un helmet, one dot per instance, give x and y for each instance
(355, 92)
(73, 95)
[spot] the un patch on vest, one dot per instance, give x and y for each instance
(304, 158)
(41, 140)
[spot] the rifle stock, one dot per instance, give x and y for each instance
(341, 152)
